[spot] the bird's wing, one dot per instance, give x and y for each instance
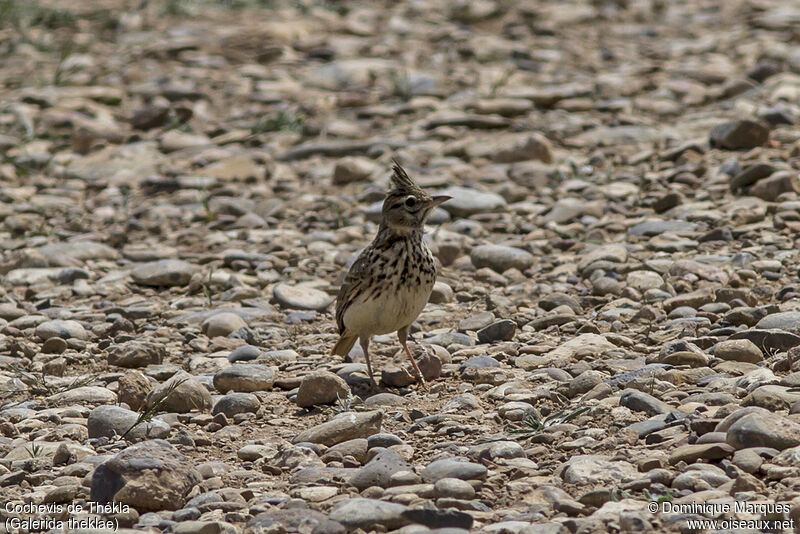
(349, 290)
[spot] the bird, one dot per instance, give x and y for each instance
(390, 282)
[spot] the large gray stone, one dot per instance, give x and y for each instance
(164, 273)
(148, 476)
(763, 429)
(367, 514)
(500, 258)
(379, 470)
(62, 329)
(182, 393)
(246, 377)
(466, 201)
(453, 468)
(115, 421)
(301, 297)
(343, 427)
(321, 387)
(236, 403)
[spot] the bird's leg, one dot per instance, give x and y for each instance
(402, 335)
(365, 347)
(423, 347)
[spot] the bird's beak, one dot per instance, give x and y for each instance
(439, 199)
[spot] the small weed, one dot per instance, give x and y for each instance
(177, 8)
(342, 405)
(207, 289)
(533, 425)
(209, 215)
(500, 81)
(39, 385)
(242, 4)
(667, 497)
(284, 120)
(22, 15)
(65, 53)
(34, 450)
(146, 414)
(401, 85)
(79, 382)
(618, 494)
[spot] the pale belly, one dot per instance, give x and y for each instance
(387, 313)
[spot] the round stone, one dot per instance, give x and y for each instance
(236, 403)
(222, 324)
(244, 353)
(182, 393)
(115, 421)
(453, 468)
(454, 488)
(383, 440)
(244, 377)
(500, 258)
(301, 296)
(54, 345)
(164, 273)
(739, 350)
(321, 387)
(62, 329)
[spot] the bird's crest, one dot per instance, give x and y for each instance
(401, 180)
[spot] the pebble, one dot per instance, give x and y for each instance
(54, 345)
(244, 353)
(476, 322)
(352, 169)
(739, 350)
(244, 377)
(343, 427)
(788, 321)
(367, 514)
(502, 330)
(739, 135)
(706, 451)
(763, 430)
(222, 324)
(92, 395)
(133, 389)
(480, 362)
(163, 273)
(236, 403)
(465, 202)
(593, 469)
(383, 440)
(63, 329)
(302, 297)
(321, 387)
(642, 402)
(134, 354)
(129, 477)
(182, 393)
(115, 422)
(453, 468)
(454, 488)
(379, 470)
(500, 258)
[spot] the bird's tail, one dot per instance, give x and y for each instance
(343, 346)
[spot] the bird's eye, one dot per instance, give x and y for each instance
(411, 202)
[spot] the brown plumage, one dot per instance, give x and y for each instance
(390, 282)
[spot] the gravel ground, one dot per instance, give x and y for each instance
(616, 322)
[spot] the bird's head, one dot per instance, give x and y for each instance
(407, 206)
